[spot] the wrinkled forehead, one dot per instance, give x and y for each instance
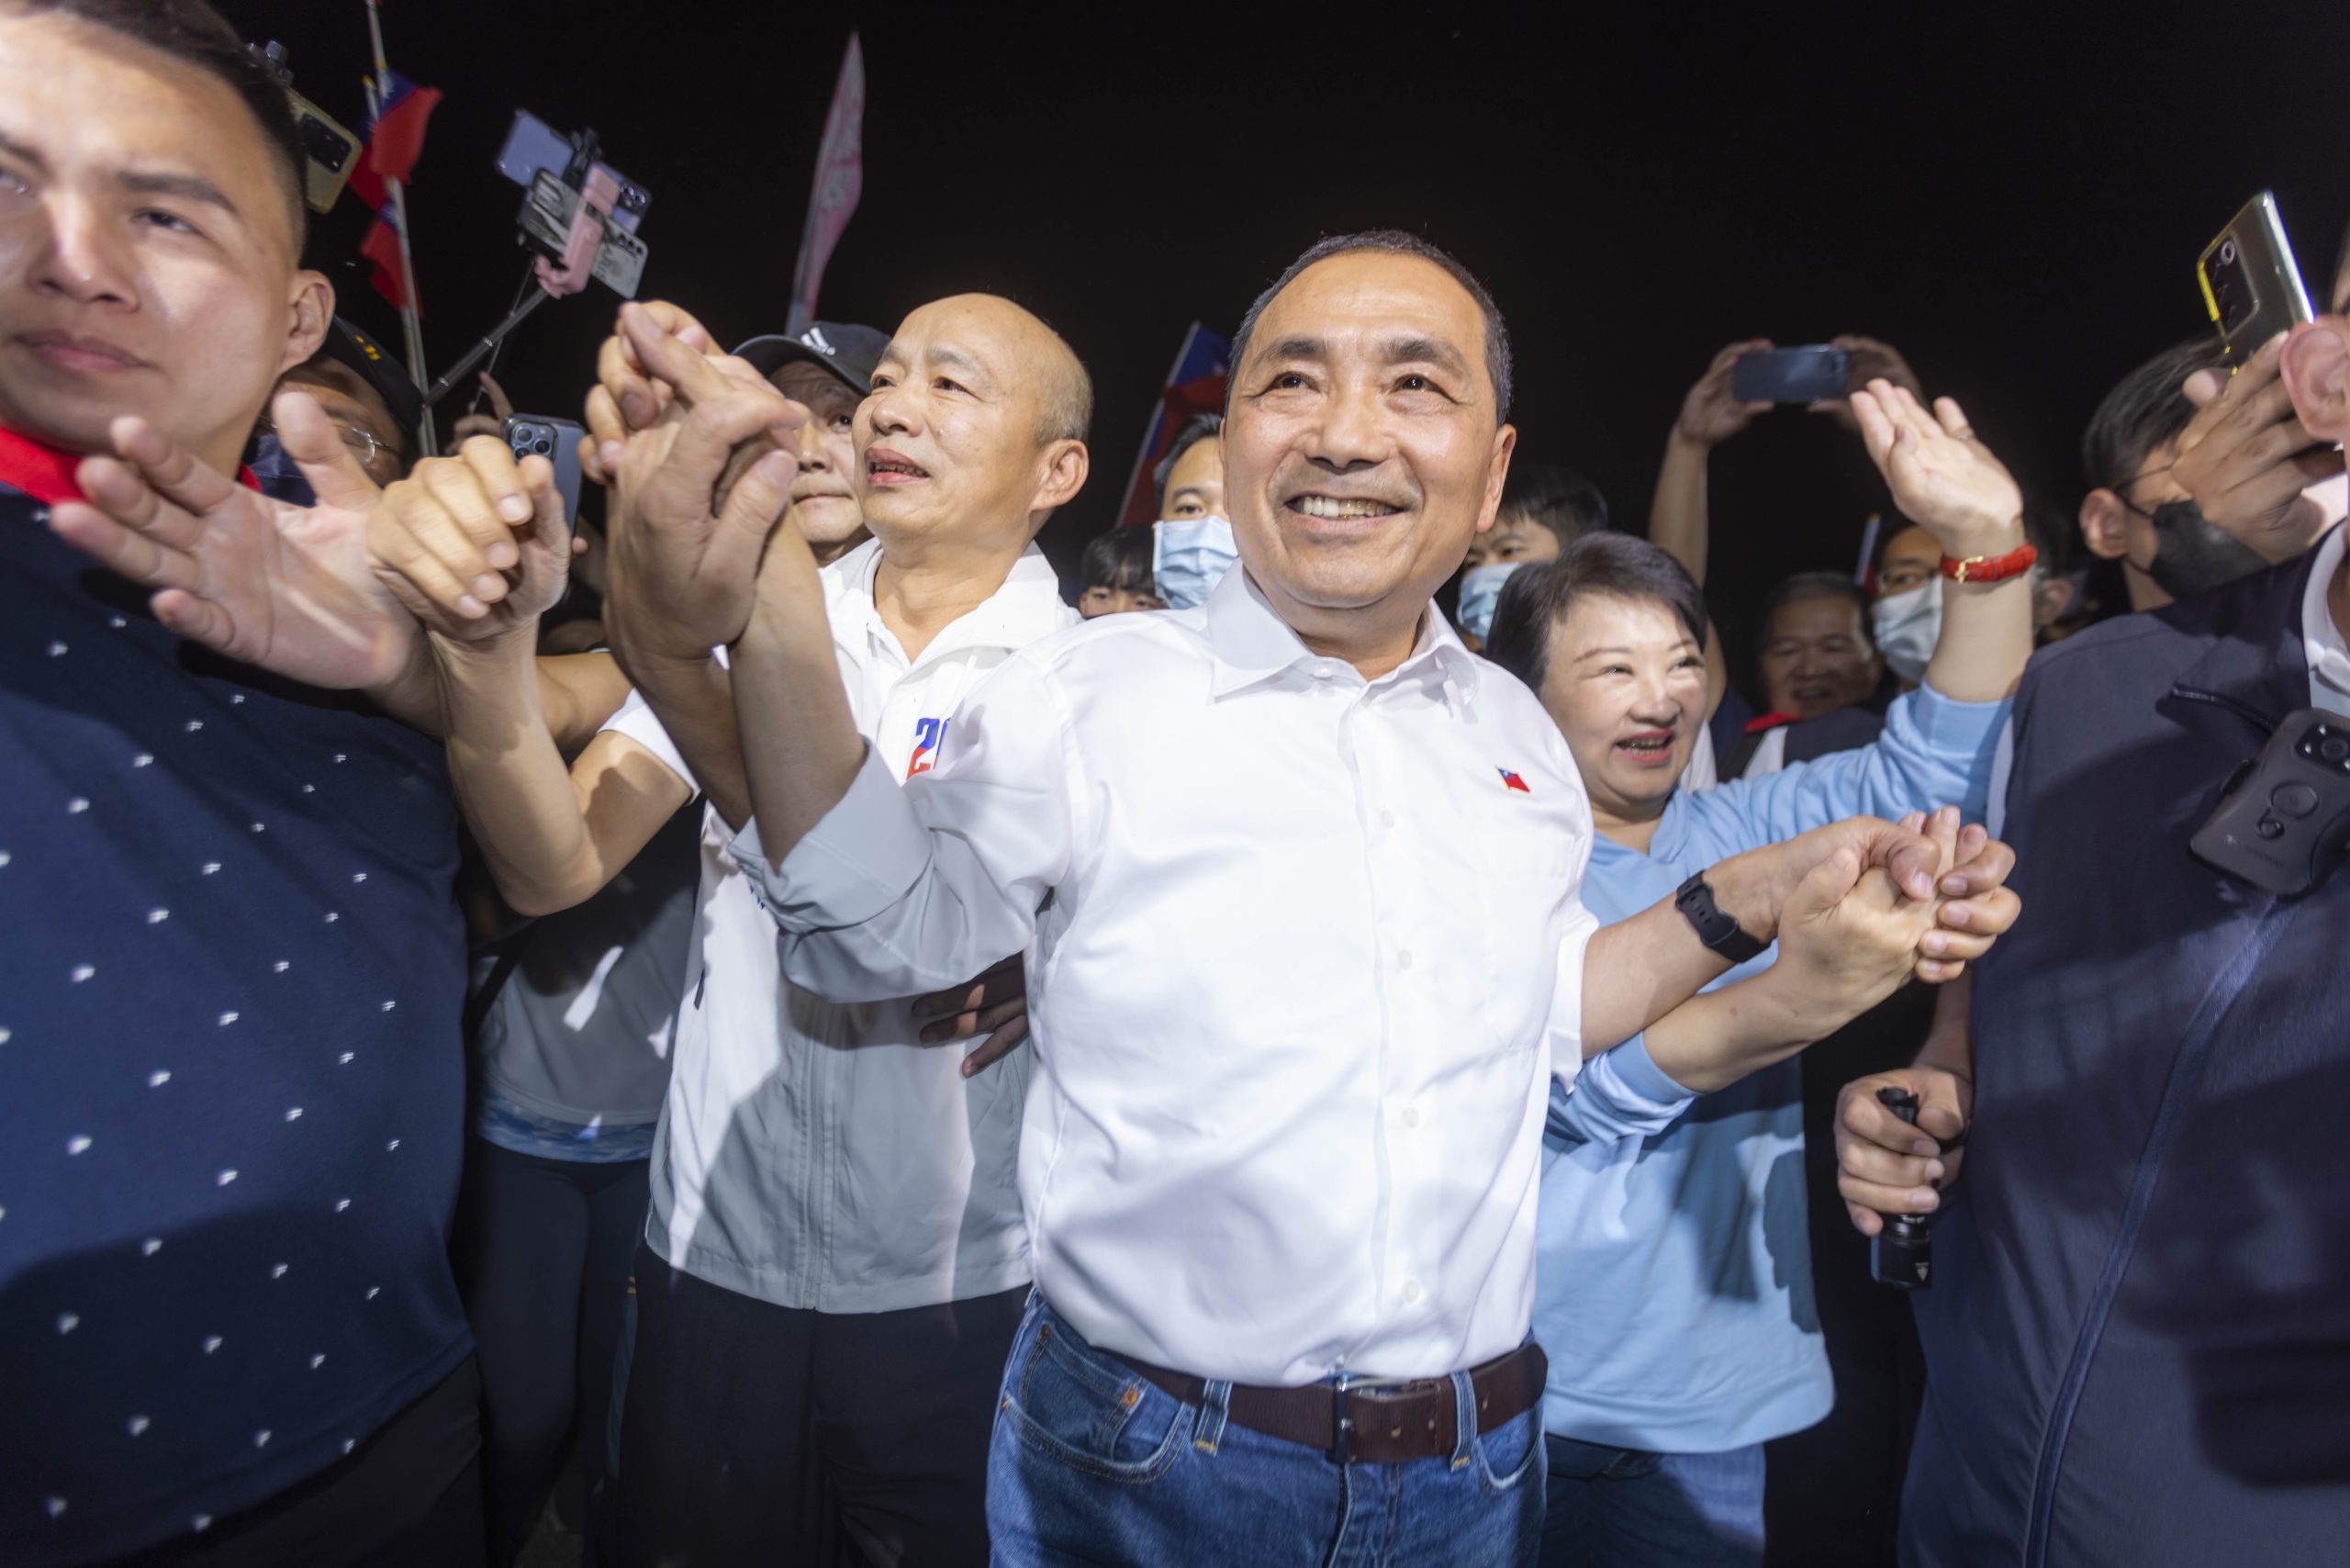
(983, 335)
(1374, 304)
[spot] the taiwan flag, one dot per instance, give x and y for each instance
(394, 141)
(1195, 385)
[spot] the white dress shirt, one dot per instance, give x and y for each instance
(1305, 953)
(819, 1156)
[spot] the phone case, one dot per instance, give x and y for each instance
(1803, 375)
(2282, 824)
(2251, 286)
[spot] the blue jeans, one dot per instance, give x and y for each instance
(1613, 1507)
(1092, 1465)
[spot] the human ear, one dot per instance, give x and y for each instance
(2315, 365)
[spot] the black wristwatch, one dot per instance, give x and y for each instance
(1717, 931)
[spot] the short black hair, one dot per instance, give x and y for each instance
(1188, 435)
(192, 33)
(1619, 565)
(2144, 409)
(1120, 560)
(1814, 585)
(1498, 356)
(1557, 498)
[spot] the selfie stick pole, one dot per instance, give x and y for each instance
(411, 323)
(484, 349)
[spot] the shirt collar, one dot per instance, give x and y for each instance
(2321, 640)
(1249, 643)
(1027, 607)
(46, 473)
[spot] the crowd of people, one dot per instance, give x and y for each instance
(740, 1010)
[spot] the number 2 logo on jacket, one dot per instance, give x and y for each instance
(928, 735)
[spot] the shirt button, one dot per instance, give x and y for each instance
(1411, 1289)
(1411, 1115)
(1321, 672)
(1403, 959)
(1387, 819)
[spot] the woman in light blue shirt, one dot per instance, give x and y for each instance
(1673, 1291)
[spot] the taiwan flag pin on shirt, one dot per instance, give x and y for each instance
(1512, 781)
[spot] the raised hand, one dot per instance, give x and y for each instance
(1848, 939)
(995, 1004)
(694, 499)
(1710, 415)
(624, 398)
(1941, 478)
(474, 545)
(2246, 457)
(1868, 359)
(283, 588)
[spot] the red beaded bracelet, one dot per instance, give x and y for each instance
(1990, 569)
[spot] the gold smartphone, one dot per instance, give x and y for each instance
(2250, 284)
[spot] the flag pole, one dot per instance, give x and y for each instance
(412, 319)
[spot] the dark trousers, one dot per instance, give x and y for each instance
(544, 1248)
(407, 1496)
(757, 1435)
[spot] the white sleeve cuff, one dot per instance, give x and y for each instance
(1566, 996)
(860, 859)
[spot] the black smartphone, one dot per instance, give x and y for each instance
(2250, 284)
(2282, 822)
(555, 440)
(1804, 374)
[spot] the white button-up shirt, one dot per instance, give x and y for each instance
(1305, 953)
(815, 1155)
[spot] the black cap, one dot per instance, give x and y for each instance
(346, 344)
(847, 350)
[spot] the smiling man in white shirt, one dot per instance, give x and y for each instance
(1296, 877)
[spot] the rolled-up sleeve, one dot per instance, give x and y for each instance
(1621, 1093)
(904, 890)
(1566, 995)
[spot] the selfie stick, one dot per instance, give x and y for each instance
(484, 349)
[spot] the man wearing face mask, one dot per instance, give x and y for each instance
(2136, 1337)
(2178, 450)
(1673, 1285)
(1192, 544)
(1544, 509)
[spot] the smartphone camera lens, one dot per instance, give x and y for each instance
(2334, 748)
(542, 445)
(2227, 252)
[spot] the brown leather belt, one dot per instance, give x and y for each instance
(1387, 1423)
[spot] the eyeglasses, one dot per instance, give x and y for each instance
(361, 444)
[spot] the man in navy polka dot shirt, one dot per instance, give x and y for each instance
(230, 1080)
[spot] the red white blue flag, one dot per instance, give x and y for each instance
(395, 140)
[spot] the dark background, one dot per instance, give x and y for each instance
(2015, 197)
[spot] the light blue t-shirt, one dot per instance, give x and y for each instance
(1672, 1288)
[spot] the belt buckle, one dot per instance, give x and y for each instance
(1342, 1423)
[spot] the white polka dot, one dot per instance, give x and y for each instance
(76, 806)
(6, 1037)
(224, 1178)
(226, 1019)
(211, 1343)
(341, 1204)
(151, 1246)
(157, 916)
(338, 756)
(317, 1361)
(77, 1143)
(293, 1112)
(116, 621)
(260, 827)
(200, 1523)
(84, 971)
(350, 1443)
(158, 1078)
(391, 1146)
(194, 725)
(373, 1291)
(144, 759)
(359, 876)
(235, 698)
(210, 867)
(68, 1321)
(278, 1271)
(345, 1058)
(389, 1005)
(57, 650)
(137, 1423)
(281, 965)
(261, 1438)
(56, 1506)
(309, 789)
(332, 917)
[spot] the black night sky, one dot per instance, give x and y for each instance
(2015, 197)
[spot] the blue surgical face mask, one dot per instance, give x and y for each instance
(1188, 558)
(1908, 627)
(1481, 589)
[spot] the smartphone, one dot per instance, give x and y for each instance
(2250, 284)
(2283, 818)
(555, 440)
(1790, 376)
